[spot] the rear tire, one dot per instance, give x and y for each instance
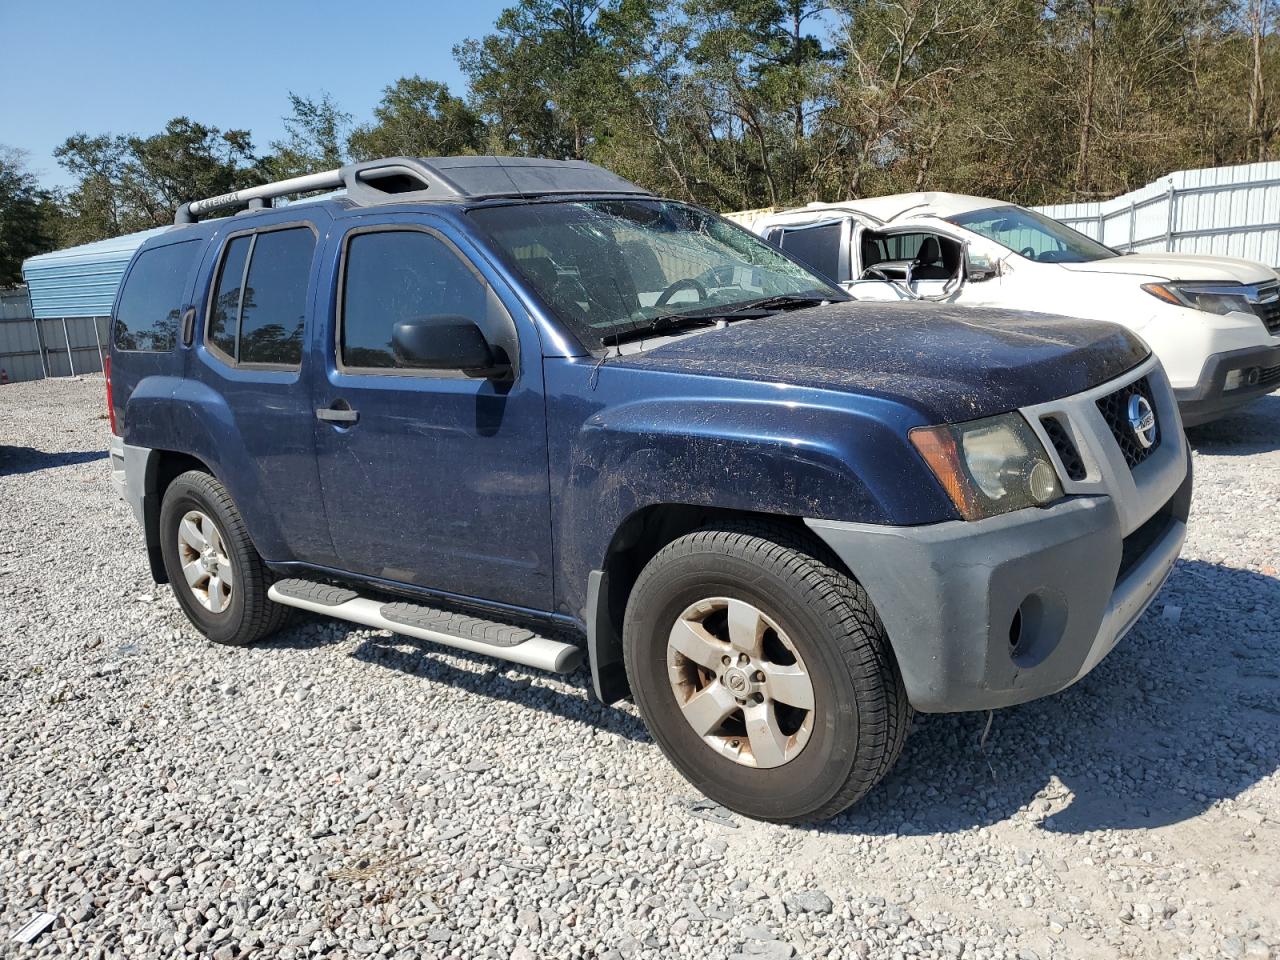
(705, 599)
(217, 576)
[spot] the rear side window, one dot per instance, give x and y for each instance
(397, 275)
(259, 303)
(818, 247)
(151, 301)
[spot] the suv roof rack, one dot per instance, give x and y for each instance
(415, 179)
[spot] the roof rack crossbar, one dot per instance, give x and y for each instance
(192, 211)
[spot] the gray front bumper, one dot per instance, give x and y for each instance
(949, 593)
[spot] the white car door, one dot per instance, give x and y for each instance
(943, 266)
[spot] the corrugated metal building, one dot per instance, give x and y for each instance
(71, 293)
(1225, 211)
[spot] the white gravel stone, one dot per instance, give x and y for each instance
(344, 792)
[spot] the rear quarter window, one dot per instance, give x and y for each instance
(258, 307)
(151, 301)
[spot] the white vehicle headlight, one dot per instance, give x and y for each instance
(1217, 298)
(989, 466)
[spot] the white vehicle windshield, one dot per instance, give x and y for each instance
(609, 266)
(1032, 235)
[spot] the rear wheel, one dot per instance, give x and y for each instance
(220, 581)
(763, 672)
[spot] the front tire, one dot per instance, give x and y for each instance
(764, 673)
(220, 581)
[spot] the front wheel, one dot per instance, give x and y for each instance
(763, 672)
(220, 581)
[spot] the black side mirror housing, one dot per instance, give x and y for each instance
(445, 342)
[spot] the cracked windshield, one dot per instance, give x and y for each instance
(608, 267)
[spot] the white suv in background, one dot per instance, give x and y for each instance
(1214, 322)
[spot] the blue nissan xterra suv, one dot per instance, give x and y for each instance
(496, 403)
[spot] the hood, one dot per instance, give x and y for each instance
(949, 363)
(1180, 266)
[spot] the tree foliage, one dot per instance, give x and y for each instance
(316, 135)
(128, 183)
(418, 118)
(28, 216)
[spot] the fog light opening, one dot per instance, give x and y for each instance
(1244, 377)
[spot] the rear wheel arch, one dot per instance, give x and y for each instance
(163, 466)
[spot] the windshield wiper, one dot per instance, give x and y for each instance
(663, 324)
(782, 301)
(709, 316)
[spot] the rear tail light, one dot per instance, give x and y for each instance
(111, 407)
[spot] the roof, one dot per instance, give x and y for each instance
(81, 281)
(429, 180)
(897, 206)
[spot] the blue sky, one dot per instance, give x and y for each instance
(128, 66)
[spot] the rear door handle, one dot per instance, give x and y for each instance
(188, 325)
(343, 414)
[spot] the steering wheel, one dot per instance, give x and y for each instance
(721, 276)
(687, 283)
(1028, 252)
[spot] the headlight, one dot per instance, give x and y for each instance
(1210, 297)
(989, 466)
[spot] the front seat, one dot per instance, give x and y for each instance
(928, 264)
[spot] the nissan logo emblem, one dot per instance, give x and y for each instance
(1143, 420)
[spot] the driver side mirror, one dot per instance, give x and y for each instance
(979, 267)
(445, 342)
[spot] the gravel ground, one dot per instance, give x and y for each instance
(347, 792)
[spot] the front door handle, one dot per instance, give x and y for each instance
(337, 414)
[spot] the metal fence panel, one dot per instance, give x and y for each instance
(19, 350)
(1223, 211)
(19, 339)
(49, 347)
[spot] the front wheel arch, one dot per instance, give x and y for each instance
(638, 540)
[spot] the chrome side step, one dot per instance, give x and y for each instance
(495, 639)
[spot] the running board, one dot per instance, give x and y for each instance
(502, 640)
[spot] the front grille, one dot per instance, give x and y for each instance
(1268, 376)
(1270, 311)
(1065, 447)
(1115, 411)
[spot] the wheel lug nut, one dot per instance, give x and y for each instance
(759, 676)
(742, 658)
(726, 661)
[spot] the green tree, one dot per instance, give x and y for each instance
(127, 183)
(418, 118)
(28, 216)
(541, 80)
(316, 133)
